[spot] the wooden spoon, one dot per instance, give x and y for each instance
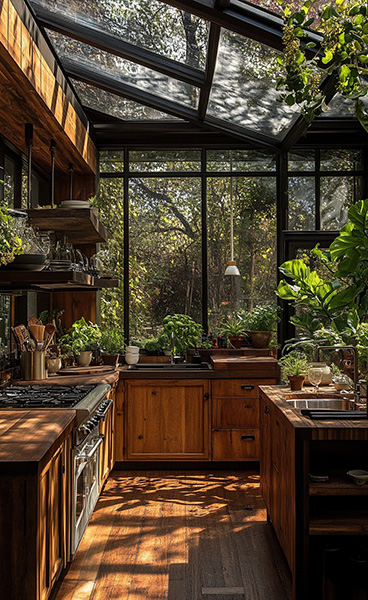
(50, 331)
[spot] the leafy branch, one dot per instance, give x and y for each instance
(343, 52)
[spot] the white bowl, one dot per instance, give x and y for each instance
(131, 359)
(132, 350)
(359, 476)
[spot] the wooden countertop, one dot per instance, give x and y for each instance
(109, 378)
(29, 438)
(314, 429)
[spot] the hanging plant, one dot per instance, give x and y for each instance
(343, 49)
(10, 243)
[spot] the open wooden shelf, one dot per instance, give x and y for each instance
(339, 522)
(337, 486)
(52, 280)
(82, 225)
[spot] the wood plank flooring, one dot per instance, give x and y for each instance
(178, 536)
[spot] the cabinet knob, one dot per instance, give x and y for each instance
(248, 437)
(140, 437)
(267, 409)
(154, 393)
(247, 387)
(206, 396)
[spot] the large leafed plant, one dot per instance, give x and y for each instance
(334, 307)
(342, 51)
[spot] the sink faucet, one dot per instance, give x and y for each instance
(172, 345)
(355, 353)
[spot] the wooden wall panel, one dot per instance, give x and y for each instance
(75, 305)
(34, 95)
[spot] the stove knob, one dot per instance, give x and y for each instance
(83, 429)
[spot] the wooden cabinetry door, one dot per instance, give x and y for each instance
(167, 420)
(235, 444)
(51, 523)
(106, 458)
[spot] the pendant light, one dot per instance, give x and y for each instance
(231, 268)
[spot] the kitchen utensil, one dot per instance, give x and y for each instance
(37, 332)
(34, 321)
(50, 330)
(18, 339)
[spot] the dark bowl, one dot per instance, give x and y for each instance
(30, 259)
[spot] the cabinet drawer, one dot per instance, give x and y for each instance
(238, 388)
(229, 413)
(235, 444)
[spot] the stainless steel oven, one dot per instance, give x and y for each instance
(86, 484)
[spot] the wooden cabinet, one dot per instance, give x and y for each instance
(235, 418)
(53, 519)
(34, 525)
(107, 449)
(167, 419)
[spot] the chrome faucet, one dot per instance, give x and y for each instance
(356, 382)
(172, 345)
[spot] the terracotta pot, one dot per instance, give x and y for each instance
(296, 382)
(111, 359)
(260, 339)
(84, 358)
(236, 340)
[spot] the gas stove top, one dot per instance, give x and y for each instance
(84, 399)
(41, 396)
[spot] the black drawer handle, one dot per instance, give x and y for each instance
(248, 437)
(267, 410)
(248, 405)
(247, 387)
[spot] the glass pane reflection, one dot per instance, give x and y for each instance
(242, 160)
(124, 71)
(301, 214)
(151, 25)
(116, 106)
(244, 87)
(337, 194)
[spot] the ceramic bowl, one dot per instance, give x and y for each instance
(359, 476)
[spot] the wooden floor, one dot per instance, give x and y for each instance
(178, 536)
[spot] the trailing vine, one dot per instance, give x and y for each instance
(343, 50)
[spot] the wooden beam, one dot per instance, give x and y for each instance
(30, 92)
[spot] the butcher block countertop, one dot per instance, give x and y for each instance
(307, 428)
(94, 378)
(29, 438)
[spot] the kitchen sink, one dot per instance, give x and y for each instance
(169, 367)
(322, 403)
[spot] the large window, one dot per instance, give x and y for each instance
(322, 184)
(171, 231)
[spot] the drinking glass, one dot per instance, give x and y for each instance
(315, 375)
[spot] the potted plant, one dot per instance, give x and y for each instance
(260, 322)
(185, 330)
(294, 366)
(10, 243)
(234, 331)
(112, 344)
(81, 339)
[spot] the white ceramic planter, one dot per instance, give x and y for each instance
(84, 358)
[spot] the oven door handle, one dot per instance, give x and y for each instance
(90, 454)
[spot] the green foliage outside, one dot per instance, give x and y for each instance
(10, 243)
(185, 330)
(343, 52)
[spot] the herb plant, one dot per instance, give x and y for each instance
(81, 337)
(186, 332)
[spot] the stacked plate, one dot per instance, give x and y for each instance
(74, 204)
(60, 265)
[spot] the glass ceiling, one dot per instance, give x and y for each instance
(146, 60)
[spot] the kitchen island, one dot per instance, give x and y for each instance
(35, 477)
(305, 513)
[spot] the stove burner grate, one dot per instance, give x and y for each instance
(40, 396)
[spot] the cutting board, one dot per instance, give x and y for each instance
(246, 363)
(86, 370)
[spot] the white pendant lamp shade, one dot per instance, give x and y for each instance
(231, 268)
